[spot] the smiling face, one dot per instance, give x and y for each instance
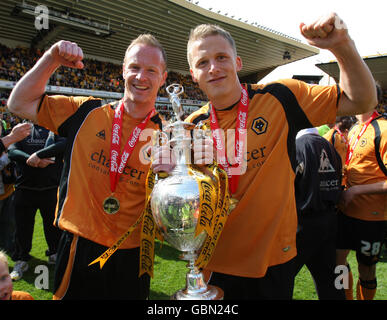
(6, 286)
(214, 66)
(144, 73)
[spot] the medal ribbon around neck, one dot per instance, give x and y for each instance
(341, 135)
(116, 171)
(149, 232)
(240, 135)
(115, 168)
(351, 147)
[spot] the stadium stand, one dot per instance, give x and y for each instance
(97, 75)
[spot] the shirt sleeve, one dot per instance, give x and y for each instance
(320, 103)
(53, 149)
(54, 110)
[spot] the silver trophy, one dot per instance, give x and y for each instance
(175, 204)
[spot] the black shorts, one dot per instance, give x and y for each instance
(276, 284)
(365, 237)
(117, 280)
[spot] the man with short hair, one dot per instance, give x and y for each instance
(253, 257)
(102, 191)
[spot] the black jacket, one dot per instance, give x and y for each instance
(318, 176)
(46, 145)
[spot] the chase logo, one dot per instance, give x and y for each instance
(259, 125)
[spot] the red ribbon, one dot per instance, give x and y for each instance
(239, 147)
(117, 167)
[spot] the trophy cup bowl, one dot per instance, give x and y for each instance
(175, 204)
(175, 207)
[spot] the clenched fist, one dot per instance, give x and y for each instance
(327, 32)
(67, 54)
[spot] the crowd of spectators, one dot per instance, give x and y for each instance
(7, 119)
(97, 75)
(191, 90)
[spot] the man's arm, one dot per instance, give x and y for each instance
(356, 80)
(19, 132)
(42, 157)
(25, 97)
(15, 153)
(373, 188)
(53, 150)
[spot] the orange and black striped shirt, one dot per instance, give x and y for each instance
(365, 167)
(85, 182)
(261, 231)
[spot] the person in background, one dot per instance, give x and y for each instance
(36, 188)
(7, 219)
(317, 192)
(363, 207)
(323, 129)
(6, 286)
(338, 136)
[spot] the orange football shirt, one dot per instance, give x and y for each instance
(85, 183)
(363, 168)
(261, 231)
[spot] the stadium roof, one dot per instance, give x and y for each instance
(261, 49)
(377, 65)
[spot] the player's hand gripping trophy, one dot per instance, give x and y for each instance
(175, 204)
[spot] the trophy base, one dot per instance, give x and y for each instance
(211, 293)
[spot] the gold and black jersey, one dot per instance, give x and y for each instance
(85, 182)
(367, 166)
(261, 231)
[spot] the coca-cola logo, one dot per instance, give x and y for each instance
(242, 123)
(146, 255)
(124, 159)
(115, 134)
(218, 139)
(242, 119)
(207, 212)
(148, 225)
(239, 151)
(207, 190)
(135, 135)
(113, 161)
(244, 98)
